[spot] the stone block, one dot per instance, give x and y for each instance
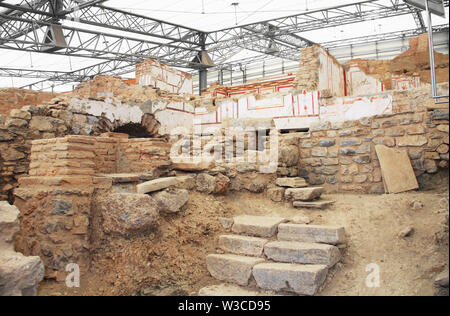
(276, 194)
(171, 201)
(313, 205)
(300, 279)
(232, 268)
(259, 226)
(205, 183)
(412, 141)
(304, 194)
(156, 185)
(242, 245)
(292, 182)
(302, 253)
(332, 235)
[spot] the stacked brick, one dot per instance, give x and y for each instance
(63, 157)
(106, 151)
(142, 155)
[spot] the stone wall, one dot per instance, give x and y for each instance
(60, 117)
(308, 72)
(414, 62)
(12, 98)
(33, 123)
(341, 155)
(54, 221)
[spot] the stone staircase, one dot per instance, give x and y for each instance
(298, 191)
(278, 255)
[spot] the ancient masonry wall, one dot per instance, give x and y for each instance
(341, 155)
(12, 98)
(73, 116)
(65, 174)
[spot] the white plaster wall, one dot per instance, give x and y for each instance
(295, 112)
(112, 109)
(355, 108)
(331, 75)
(359, 83)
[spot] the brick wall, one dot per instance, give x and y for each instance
(141, 155)
(54, 221)
(55, 199)
(67, 156)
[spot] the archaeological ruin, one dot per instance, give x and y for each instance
(297, 184)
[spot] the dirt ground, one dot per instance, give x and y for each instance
(172, 261)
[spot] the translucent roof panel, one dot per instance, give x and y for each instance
(208, 16)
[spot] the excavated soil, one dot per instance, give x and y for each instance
(172, 261)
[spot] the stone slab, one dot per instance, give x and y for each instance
(9, 224)
(292, 182)
(303, 253)
(156, 185)
(242, 245)
(232, 268)
(332, 235)
(192, 166)
(320, 205)
(258, 226)
(304, 194)
(397, 171)
(300, 279)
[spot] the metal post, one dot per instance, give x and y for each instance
(432, 60)
(203, 79)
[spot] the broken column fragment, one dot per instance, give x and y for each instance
(19, 275)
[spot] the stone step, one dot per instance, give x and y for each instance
(232, 268)
(304, 194)
(300, 279)
(156, 185)
(258, 226)
(319, 205)
(303, 253)
(292, 182)
(332, 235)
(242, 245)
